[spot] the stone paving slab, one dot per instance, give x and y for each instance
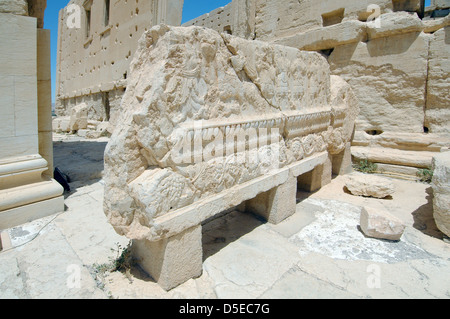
(318, 253)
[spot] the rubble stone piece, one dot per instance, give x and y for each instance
(369, 186)
(441, 191)
(378, 223)
(79, 118)
(61, 124)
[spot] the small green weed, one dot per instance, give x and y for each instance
(123, 262)
(425, 175)
(366, 167)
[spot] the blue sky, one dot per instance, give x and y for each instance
(192, 9)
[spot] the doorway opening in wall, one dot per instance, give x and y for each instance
(106, 105)
(426, 130)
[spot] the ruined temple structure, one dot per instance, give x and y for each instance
(27, 188)
(394, 54)
(307, 86)
(95, 51)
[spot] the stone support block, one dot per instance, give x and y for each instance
(342, 162)
(317, 178)
(277, 204)
(171, 261)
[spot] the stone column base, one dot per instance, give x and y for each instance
(21, 205)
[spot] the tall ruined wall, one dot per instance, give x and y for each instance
(277, 19)
(396, 64)
(95, 61)
(394, 54)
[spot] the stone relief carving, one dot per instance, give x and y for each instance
(205, 112)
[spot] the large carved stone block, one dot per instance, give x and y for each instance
(211, 121)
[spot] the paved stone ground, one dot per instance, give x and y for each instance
(317, 253)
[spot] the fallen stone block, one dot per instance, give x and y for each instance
(370, 186)
(79, 118)
(61, 124)
(377, 223)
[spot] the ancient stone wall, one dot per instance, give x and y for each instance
(394, 54)
(97, 40)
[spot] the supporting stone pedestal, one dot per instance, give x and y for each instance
(5, 241)
(342, 163)
(171, 261)
(277, 204)
(317, 178)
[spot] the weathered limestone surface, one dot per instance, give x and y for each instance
(433, 25)
(370, 186)
(388, 75)
(93, 64)
(326, 38)
(441, 191)
(440, 4)
(419, 159)
(378, 223)
(403, 141)
(394, 23)
(437, 114)
(277, 19)
(36, 8)
(27, 190)
(78, 117)
(19, 7)
(192, 86)
(396, 62)
(262, 86)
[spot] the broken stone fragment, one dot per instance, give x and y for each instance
(79, 117)
(369, 186)
(377, 223)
